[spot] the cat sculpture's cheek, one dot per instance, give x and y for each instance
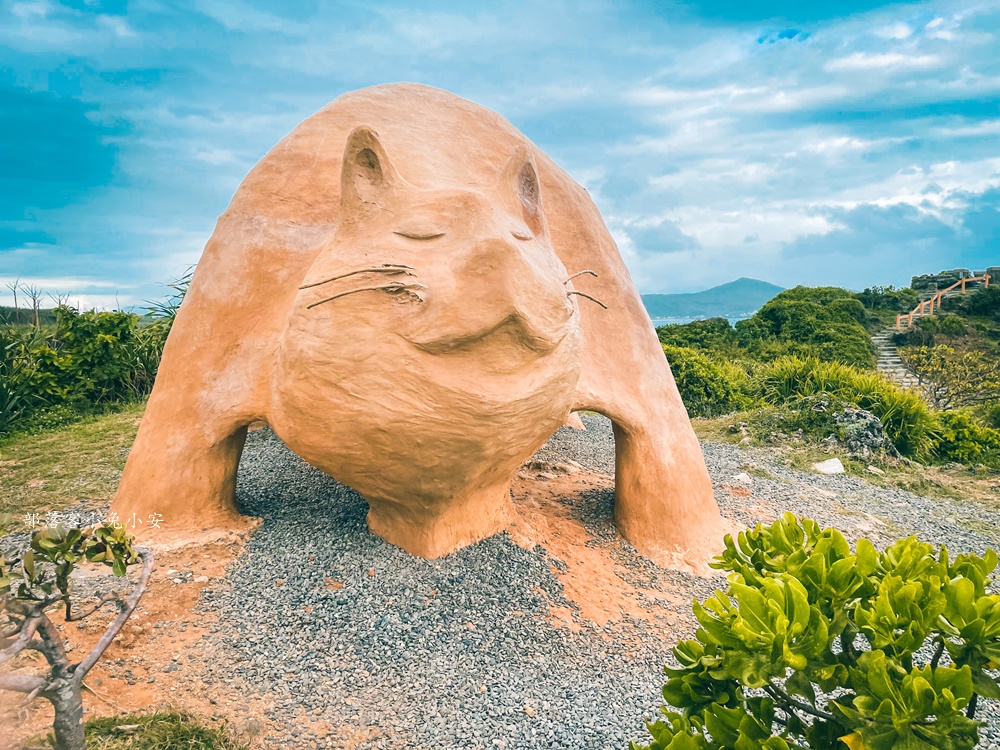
(352, 397)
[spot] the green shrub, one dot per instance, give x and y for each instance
(954, 377)
(78, 362)
(715, 334)
(814, 645)
(17, 396)
(915, 336)
(946, 325)
(814, 419)
(889, 298)
(990, 414)
(825, 322)
(90, 359)
(960, 438)
(708, 387)
(984, 303)
(907, 420)
(848, 308)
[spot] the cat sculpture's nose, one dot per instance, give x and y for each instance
(500, 284)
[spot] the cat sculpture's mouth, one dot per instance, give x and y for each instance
(539, 333)
(535, 338)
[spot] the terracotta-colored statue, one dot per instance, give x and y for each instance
(413, 297)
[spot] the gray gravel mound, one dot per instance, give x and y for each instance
(460, 652)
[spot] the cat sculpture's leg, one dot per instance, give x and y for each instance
(664, 503)
(181, 473)
(213, 381)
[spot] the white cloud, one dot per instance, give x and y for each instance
(894, 31)
(695, 125)
(879, 61)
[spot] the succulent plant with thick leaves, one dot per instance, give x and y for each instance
(815, 645)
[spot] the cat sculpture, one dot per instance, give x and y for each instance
(415, 298)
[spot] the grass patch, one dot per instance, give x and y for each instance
(948, 482)
(159, 731)
(58, 468)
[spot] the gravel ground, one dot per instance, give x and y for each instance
(460, 652)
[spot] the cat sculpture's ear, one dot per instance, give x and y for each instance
(519, 182)
(367, 176)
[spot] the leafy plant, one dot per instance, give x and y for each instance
(984, 303)
(16, 394)
(907, 420)
(815, 645)
(165, 310)
(889, 298)
(962, 439)
(824, 322)
(36, 581)
(827, 323)
(953, 377)
(990, 414)
(708, 387)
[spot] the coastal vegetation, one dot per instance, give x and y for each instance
(811, 342)
(798, 366)
(59, 365)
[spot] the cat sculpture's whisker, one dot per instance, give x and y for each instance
(409, 290)
(389, 269)
(580, 273)
(592, 299)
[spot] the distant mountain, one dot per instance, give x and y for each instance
(736, 298)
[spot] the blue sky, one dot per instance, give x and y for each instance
(848, 142)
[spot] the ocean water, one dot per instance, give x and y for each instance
(682, 321)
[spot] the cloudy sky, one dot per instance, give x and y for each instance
(847, 142)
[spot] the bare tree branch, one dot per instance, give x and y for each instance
(81, 669)
(21, 642)
(21, 683)
(104, 599)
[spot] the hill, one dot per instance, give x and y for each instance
(737, 298)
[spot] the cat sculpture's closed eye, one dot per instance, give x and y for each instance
(415, 298)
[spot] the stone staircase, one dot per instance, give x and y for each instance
(889, 361)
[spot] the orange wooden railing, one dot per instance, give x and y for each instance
(928, 306)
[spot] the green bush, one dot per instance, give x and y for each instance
(708, 387)
(907, 420)
(88, 360)
(984, 303)
(813, 419)
(825, 322)
(91, 356)
(17, 396)
(814, 645)
(889, 298)
(990, 414)
(946, 325)
(915, 336)
(960, 438)
(715, 334)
